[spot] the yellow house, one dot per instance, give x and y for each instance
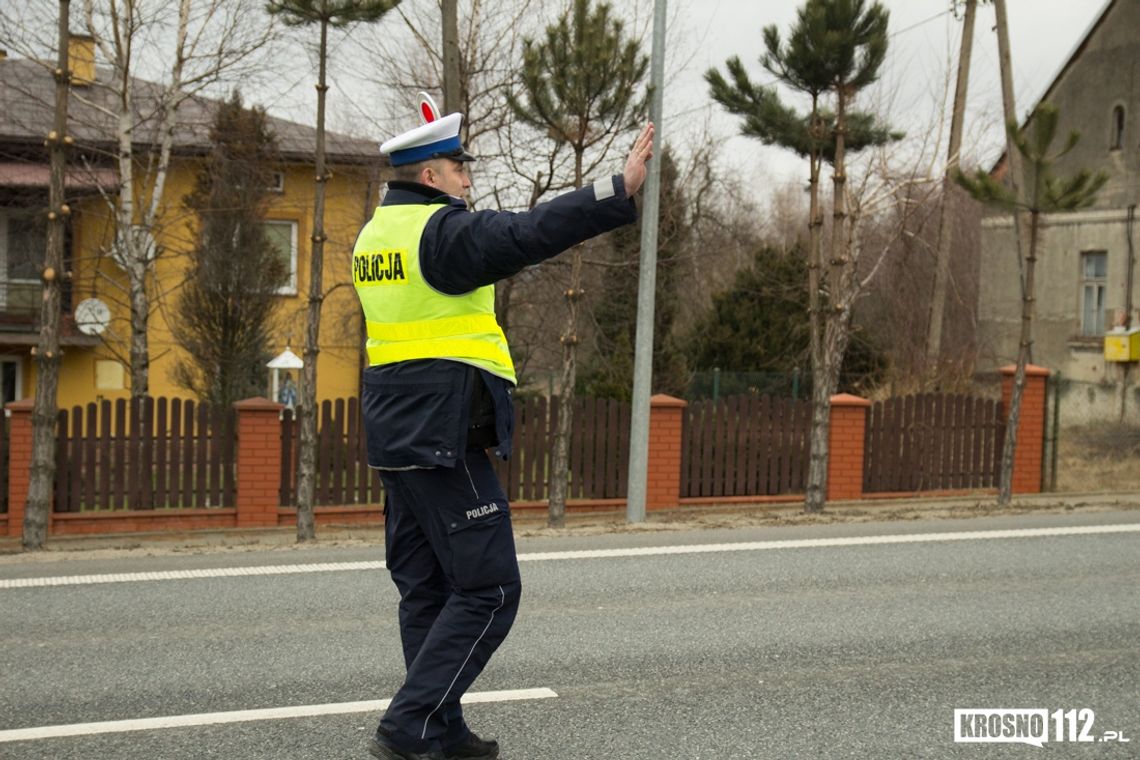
(96, 348)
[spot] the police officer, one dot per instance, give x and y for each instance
(437, 396)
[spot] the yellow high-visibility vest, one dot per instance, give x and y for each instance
(407, 318)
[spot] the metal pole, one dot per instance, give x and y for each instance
(647, 288)
(450, 26)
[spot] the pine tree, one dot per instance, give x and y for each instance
(581, 85)
(226, 305)
(323, 13)
(835, 49)
(1046, 193)
(758, 325)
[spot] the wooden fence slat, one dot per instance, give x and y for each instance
(90, 438)
(623, 422)
(585, 475)
(201, 459)
(286, 487)
(228, 451)
(543, 426)
(60, 499)
(613, 449)
(762, 430)
(959, 426)
(748, 461)
(177, 453)
(737, 449)
(120, 465)
(146, 433)
(160, 456)
(134, 453)
(786, 438)
(708, 419)
(871, 442)
(337, 459)
(4, 451)
(75, 461)
(978, 432)
(799, 450)
(352, 488)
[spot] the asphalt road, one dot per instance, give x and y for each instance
(816, 651)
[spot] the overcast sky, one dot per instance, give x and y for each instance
(923, 48)
(923, 52)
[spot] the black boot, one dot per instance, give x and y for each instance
(472, 748)
(383, 747)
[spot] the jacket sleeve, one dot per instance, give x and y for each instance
(462, 250)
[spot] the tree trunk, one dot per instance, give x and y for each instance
(306, 470)
(1024, 350)
(1016, 178)
(42, 480)
(945, 228)
(829, 335)
(560, 457)
(140, 317)
(817, 478)
(1014, 173)
(129, 238)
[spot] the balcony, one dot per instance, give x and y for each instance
(20, 316)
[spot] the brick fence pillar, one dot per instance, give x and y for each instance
(1030, 428)
(19, 462)
(258, 462)
(845, 447)
(663, 487)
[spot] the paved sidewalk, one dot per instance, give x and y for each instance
(532, 525)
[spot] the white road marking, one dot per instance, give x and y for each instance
(647, 551)
(243, 716)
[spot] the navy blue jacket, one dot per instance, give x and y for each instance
(418, 413)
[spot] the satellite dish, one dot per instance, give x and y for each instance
(92, 316)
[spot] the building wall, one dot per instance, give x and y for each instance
(1104, 74)
(347, 207)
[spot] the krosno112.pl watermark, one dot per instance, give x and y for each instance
(1029, 726)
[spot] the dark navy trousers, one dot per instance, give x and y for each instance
(451, 553)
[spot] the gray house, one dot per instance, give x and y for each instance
(1086, 280)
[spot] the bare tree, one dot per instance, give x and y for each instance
(41, 483)
(579, 86)
(202, 43)
(1043, 193)
(323, 13)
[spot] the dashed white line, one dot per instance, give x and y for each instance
(244, 716)
(647, 551)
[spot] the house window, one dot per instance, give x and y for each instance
(277, 182)
(23, 238)
(9, 380)
(1117, 141)
(283, 237)
(1094, 271)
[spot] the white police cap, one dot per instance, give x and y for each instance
(435, 139)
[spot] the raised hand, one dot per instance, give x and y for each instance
(641, 152)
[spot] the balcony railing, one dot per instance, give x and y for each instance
(20, 305)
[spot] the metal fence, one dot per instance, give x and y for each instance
(716, 384)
